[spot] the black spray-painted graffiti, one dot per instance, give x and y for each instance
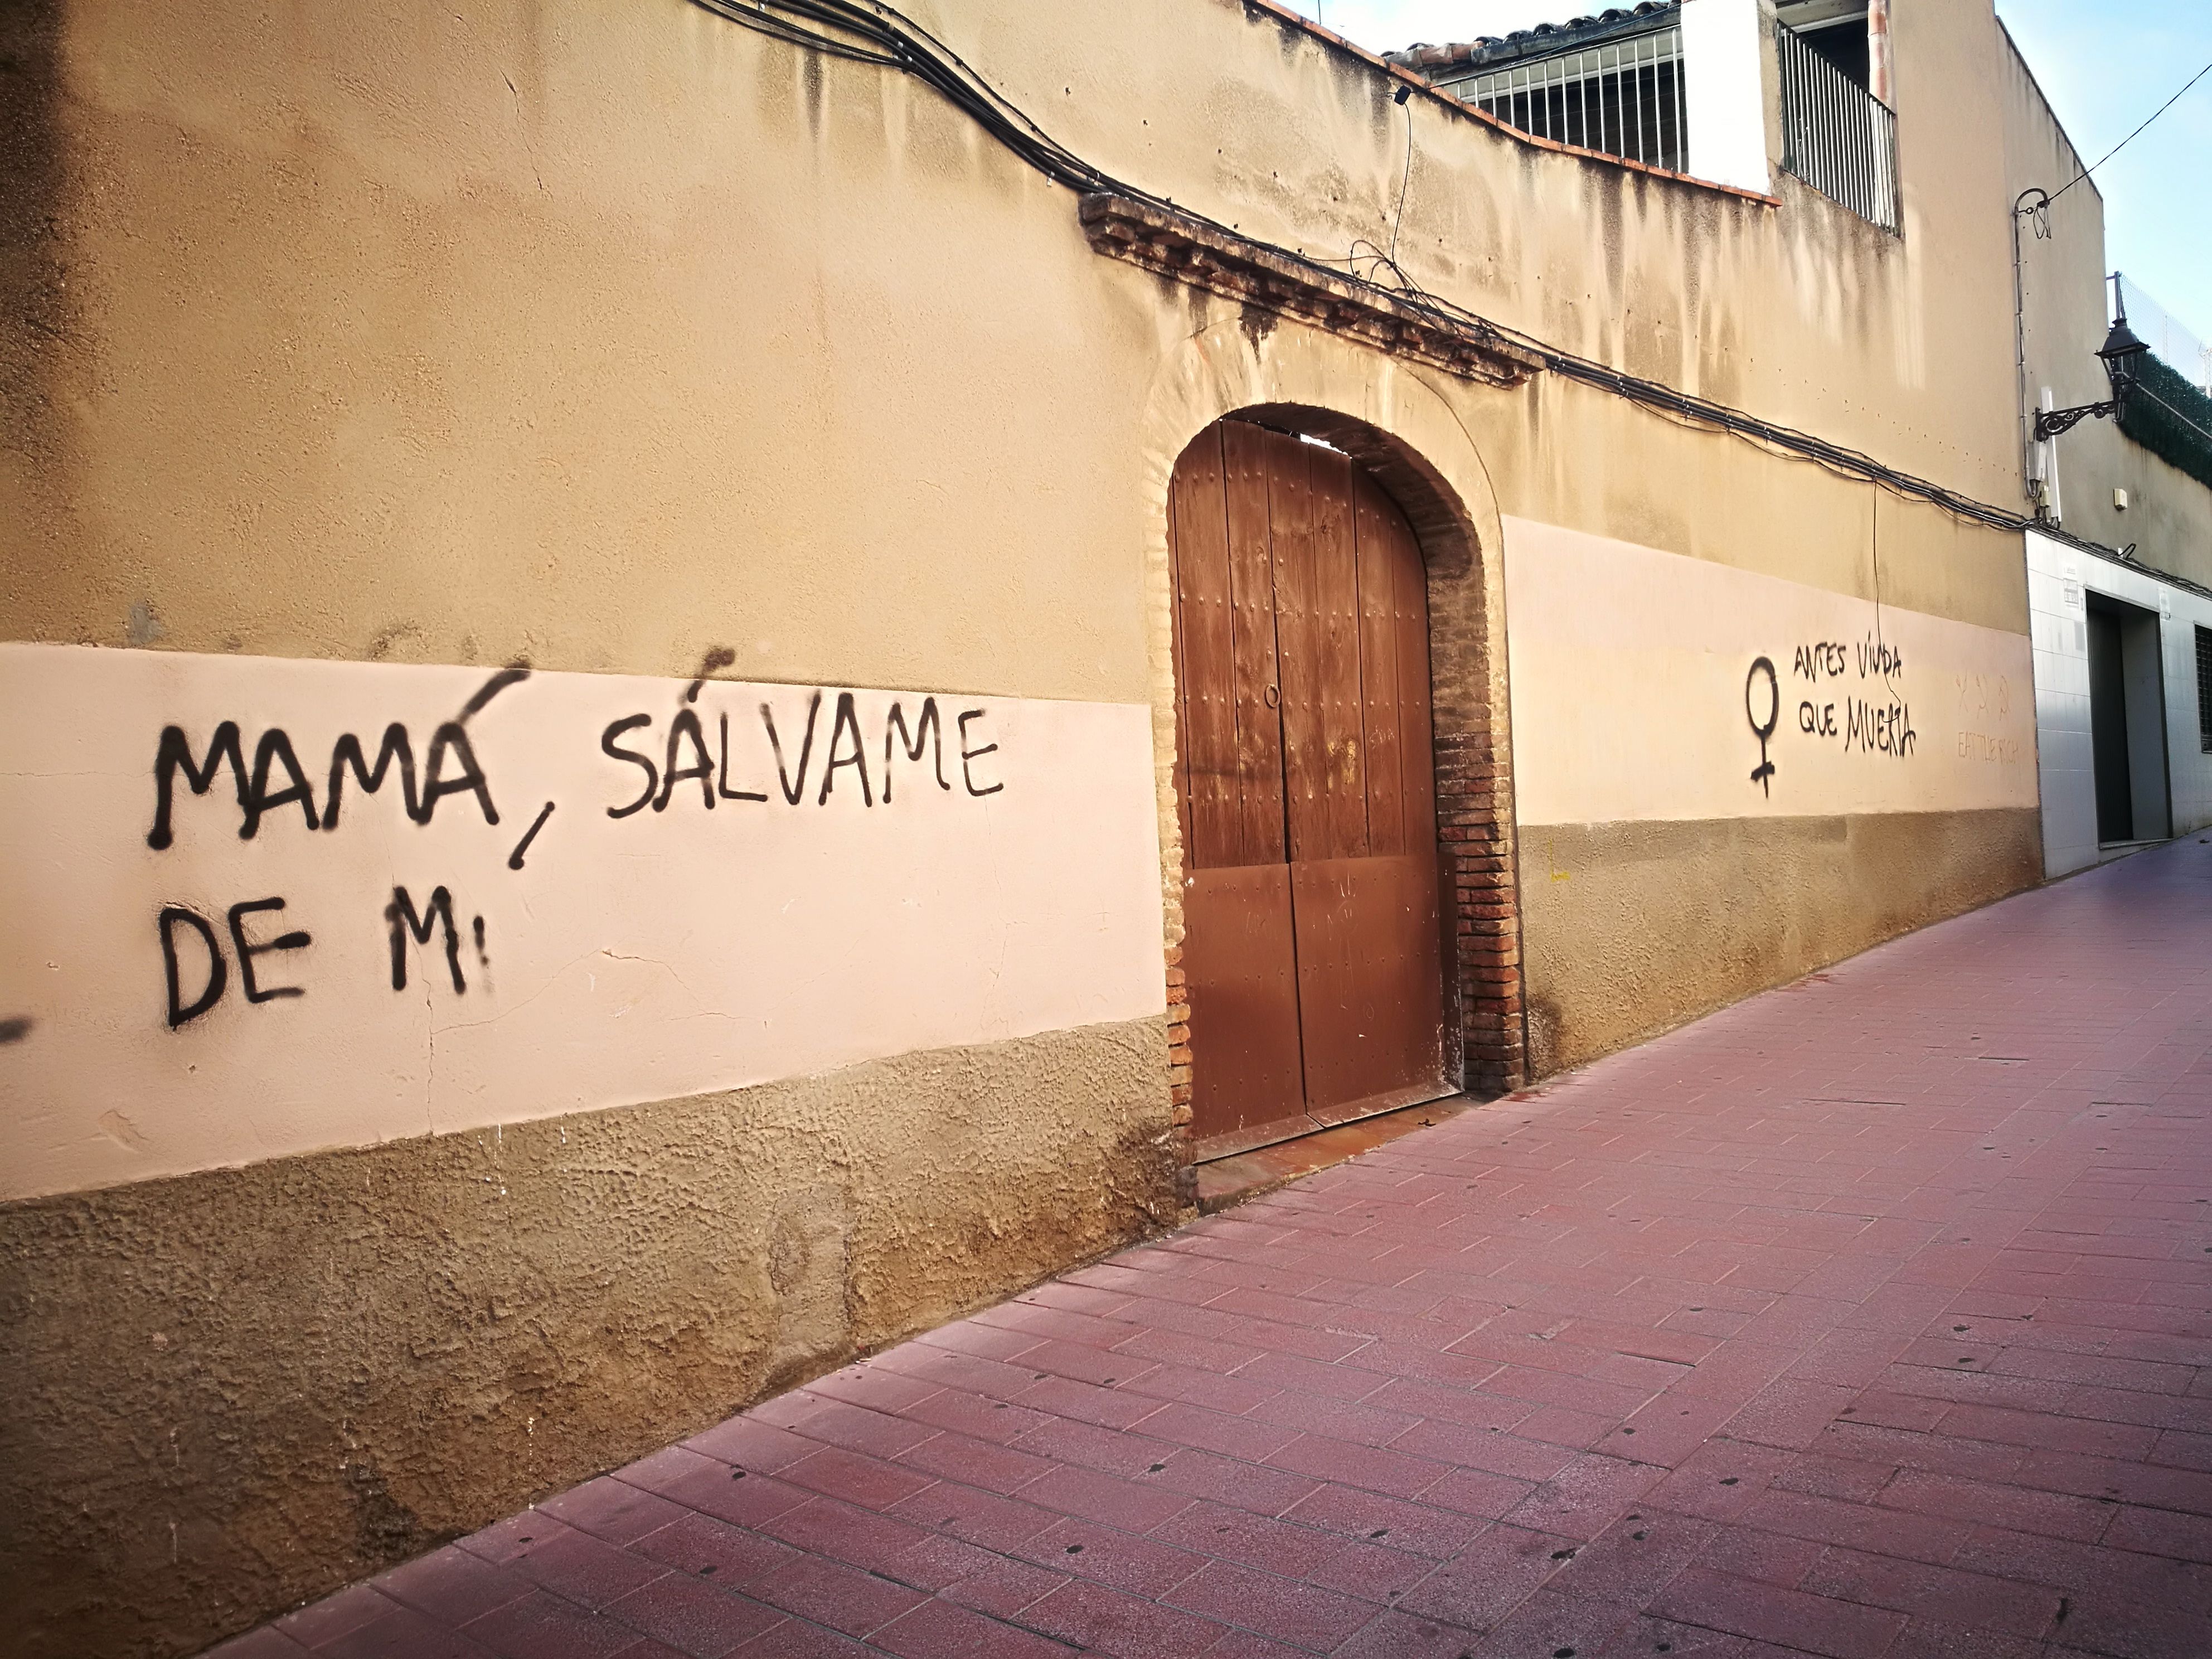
(212, 969)
(1862, 725)
(687, 759)
(194, 956)
(450, 768)
(1762, 773)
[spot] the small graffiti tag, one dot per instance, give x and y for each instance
(1762, 773)
(1876, 724)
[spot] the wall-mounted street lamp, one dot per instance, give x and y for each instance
(2122, 355)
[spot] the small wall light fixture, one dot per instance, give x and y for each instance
(2122, 355)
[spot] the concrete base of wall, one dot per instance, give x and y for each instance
(1631, 929)
(233, 1391)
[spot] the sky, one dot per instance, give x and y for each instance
(2105, 64)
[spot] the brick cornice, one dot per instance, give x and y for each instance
(1191, 251)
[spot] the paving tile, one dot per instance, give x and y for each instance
(2061, 1515)
(1372, 1571)
(1142, 1565)
(976, 1416)
(1946, 1594)
(1002, 1588)
(1095, 1496)
(1586, 1497)
(861, 1538)
(1400, 1635)
(1243, 1645)
(1743, 1607)
(579, 1568)
(2162, 1532)
(1771, 1557)
(1287, 1547)
(1857, 1526)
(404, 1634)
(1790, 1412)
(693, 1617)
(267, 1642)
(1423, 1529)
(1478, 1492)
(1634, 1558)
(834, 1594)
(1304, 1615)
(724, 1491)
(1492, 1449)
(543, 1627)
(452, 1586)
(611, 1510)
(794, 1638)
(1646, 1637)
(348, 1609)
(973, 1462)
(707, 1548)
(1670, 1428)
(1940, 1638)
(1825, 1475)
(1218, 1431)
(1254, 1486)
(1477, 1588)
(873, 1483)
(1096, 1618)
(1550, 1622)
(1719, 1481)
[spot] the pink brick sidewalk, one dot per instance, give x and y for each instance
(1868, 1318)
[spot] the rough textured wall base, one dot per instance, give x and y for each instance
(232, 1391)
(1633, 928)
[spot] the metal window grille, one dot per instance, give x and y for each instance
(2204, 688)
(1836, 135)
(1624, 98)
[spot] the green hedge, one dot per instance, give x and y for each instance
(2164, 427)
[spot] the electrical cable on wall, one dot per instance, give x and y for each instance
(2132, 137)
(868, 31)
(1404, 97)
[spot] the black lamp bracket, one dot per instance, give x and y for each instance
(2050, 423)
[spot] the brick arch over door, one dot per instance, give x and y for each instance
(1477, 1009)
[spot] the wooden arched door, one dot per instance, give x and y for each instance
(1305, 780)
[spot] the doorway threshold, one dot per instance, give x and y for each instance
(1228, 1181)
(2109, 850)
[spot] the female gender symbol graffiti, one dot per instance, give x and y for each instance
(1765, 769)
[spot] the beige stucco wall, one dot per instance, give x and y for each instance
(611, 336)
(474, 367)
(2168, 517)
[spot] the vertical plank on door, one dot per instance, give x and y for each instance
(1206, 651)
(1175, 488)
(1416, 722)
(1298, 646)
(1375, 524)
(1254, 686)
(1336, 595)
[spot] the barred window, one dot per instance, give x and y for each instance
(2204, 688)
